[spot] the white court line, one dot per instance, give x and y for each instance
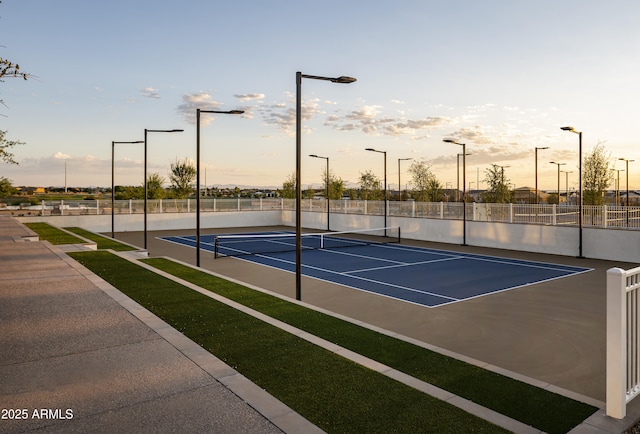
(361, 278)
(408, 264)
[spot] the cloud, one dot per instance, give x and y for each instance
(476, 134)
(370, 120)
(249, 96)
(282, 115)
(150, 92)
(60, 156)
(198, 100)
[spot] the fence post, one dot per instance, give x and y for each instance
(43, 206)
(61, 207)
(441, 210)
(510, 213)
(554, 218)
(616, 343)
(604, 216)
(97, 206)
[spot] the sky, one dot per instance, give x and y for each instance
(501, 76)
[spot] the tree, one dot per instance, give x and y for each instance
(597, 175)
(182, 175)
(336, 184)
(427, 186)
(154, 186)
(128, 192)
(498, 190)
(6, 188)
(5, 144)
(289, 187)
(370, 186)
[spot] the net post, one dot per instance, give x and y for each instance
(215, 248)
(398, 234)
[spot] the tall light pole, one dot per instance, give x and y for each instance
(566, 183)
(579, 133)
(400, 185)
(326, 188)
(538, 148)
(299, 77)
(145, 175)
(618, 187)
(626, 202)
(458, 176)
(385, 186)
(113, 203)
(558, 164)
(198, 111)
(464, 191)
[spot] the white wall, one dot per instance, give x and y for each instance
(608, 244)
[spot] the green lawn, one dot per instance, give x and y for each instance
(52, 234)
(103, 243)
(330, 391)
(531, 405)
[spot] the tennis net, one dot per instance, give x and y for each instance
(253, 244)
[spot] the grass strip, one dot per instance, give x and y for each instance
(330, 391)
(103, 243)
(52, 234)
(531, 405)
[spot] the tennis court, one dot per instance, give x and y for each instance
(381, 265)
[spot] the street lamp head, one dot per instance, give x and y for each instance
(370, 149)
(343, 79)
(546, 147)
(313, 155)
(452, 141)
(571, 129)
(235, 112)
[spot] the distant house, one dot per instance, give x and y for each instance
(528, 195)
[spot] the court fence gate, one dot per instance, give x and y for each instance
(623, 339)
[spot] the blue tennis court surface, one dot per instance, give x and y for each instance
(427, 277)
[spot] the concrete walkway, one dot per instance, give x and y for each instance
(78, 356)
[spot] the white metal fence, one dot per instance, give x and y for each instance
(623, 339)
(592, 216)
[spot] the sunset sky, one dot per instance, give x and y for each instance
(500, 76)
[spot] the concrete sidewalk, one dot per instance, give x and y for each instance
(79, 356)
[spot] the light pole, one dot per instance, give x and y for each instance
(566, 183)
(626, 202)
(113, 203)
(618, 187)
(145, 175)
(558, 164)
(198, 111)
(464, 191)
(458, 176)
(299, 77)
(385, 186)
(400, 185)
(536, 171)
(326, 188)
(579, 133)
